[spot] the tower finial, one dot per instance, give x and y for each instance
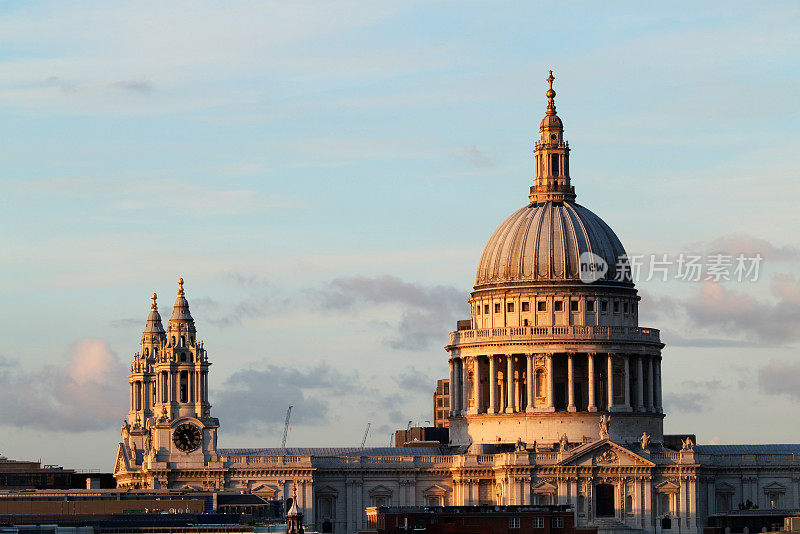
(180, 286)
(154, 306)
(551, 95)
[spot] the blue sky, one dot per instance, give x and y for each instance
(325, 175)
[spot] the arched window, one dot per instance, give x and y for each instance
(540, 389)
(629, 504)
(183, 341)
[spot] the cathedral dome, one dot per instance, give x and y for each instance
(544, 242)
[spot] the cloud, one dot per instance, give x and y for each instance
(136, 195)
(428, 312)
(414, 380)
(696, 400)
(233, 314)
(752, 322)
(255, 399)
(748, 245)
(87, 393)
(135, 86)
(475, 157)
(780, 378)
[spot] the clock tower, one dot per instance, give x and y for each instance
(169, 437)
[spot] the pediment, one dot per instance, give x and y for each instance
(121, 464)
(774, 487)
(604, 453)
(724, 487)
(380, 491)
(435, 489)
(326, 490)
(667, 486)
(266, 488)
(544, 486)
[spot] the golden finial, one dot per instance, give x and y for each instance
(180, 286)
(154, 306)
(551, 105)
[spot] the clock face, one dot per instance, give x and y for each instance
(187, 437)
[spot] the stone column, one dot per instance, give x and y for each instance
(359, 489)
(510, 384)
(475, 386)
(452, 388)
(551, 384)
(456, 387)
(479, 397)
(711, 491)
(590, 361)
(650, 390)
(610, 381)
(492, 385)
(530, 392)
(570, 384)
(639, 385)
(464, 386)
(648, 503)
(627, 383)
(658, 385)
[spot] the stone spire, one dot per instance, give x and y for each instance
(154, 325)
(551, 182)
(181, 327)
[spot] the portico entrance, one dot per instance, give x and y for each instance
(604, 500)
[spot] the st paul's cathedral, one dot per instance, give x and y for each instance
(555, 398)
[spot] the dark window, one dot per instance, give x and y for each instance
(554, 164)
(541, 305)
(510, 306)
(590, 305)
(616, 306)
(558, 305)
(497, 307)
(558, 522)
(478, 310)
(603, 305)
(485, 308)
(573, 305)
(625, 307)
(526, 306)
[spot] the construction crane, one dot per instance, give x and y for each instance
(364, 441)
(286, 427)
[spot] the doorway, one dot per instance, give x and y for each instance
(604, 495)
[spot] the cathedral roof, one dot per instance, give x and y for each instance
(334, 451)
(544, 242)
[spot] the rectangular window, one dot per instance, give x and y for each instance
(497, 307)
(558, 522)
(541, 305)
(574, 305)
(616, 306)
(510, 306)
(626, 307)
(590, 305)
(603, 305)
(485, 308)
(558, 305)
(477, 310)
(526, 306)
(447, 388)
(538, 522)
(513, 522)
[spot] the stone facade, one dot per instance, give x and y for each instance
(555, 398)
